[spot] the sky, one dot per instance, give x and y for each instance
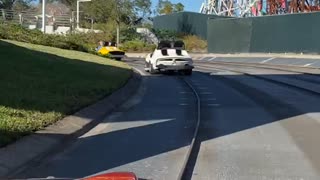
(189, 5)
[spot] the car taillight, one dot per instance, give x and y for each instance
(114, 176)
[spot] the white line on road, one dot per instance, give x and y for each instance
(306, 65)
(212, 58)
(206, 93)
(201, 59)
(213, 104)
(183, 92)
(267, 60)
(197, 58)
(202, 88)
(139, 71)
(209, 99)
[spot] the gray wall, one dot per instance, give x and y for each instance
(286, 33)
(186, 22)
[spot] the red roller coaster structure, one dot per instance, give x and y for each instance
(244, 8)
(293, 6)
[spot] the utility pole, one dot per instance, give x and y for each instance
(118, 21)
(118, 33)
(44, 16)
(78, 2)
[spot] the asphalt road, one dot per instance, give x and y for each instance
(250, 129)
(257, 136)
(301, 62)
(149, 135)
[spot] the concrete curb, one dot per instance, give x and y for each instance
(275, 55)
(30, 148)
(258, 55)
(136, 55)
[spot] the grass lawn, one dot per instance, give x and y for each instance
(39, 85)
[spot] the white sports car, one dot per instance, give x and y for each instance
(169, 56)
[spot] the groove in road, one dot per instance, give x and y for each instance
(190, 159)
(290, 85)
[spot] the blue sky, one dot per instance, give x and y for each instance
(189, 5)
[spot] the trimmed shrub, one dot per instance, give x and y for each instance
(70, 41)
(85, 42)
(137, 46)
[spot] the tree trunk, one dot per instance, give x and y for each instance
(118, 33)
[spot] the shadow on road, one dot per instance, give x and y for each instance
(157, 124)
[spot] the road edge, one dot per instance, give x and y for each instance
(14, 157)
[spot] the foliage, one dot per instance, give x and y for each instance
(66, 2)
(77, 41)
(137, 46)
(194, 43)
(119, 11)
(167, 7)
(129, 34)
(164, 34)
(40, 85)
(15, 4)
(6, 4)
(21, 5)
(85, 42)
(179, 7)
(143, 7)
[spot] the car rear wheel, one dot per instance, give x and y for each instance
(152, 71)
(146, 67)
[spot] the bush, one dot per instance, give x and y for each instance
(129, 34)
(76, 41)
(194, 43)
(163, 34)
(137, 46)
(85, 42)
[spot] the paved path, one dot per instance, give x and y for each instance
(250, 129)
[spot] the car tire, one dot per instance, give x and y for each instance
(152, 71)
(146, 67)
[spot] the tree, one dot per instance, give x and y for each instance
(179, 7)
(166, 7)
(15, 4)
(66, 2)
(143, 7)
(6, 4)
(115, 11)
(20, 5)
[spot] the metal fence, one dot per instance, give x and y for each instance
(33, 19)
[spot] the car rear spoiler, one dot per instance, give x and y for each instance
(165, 45)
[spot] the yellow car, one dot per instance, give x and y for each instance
(111, 50)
